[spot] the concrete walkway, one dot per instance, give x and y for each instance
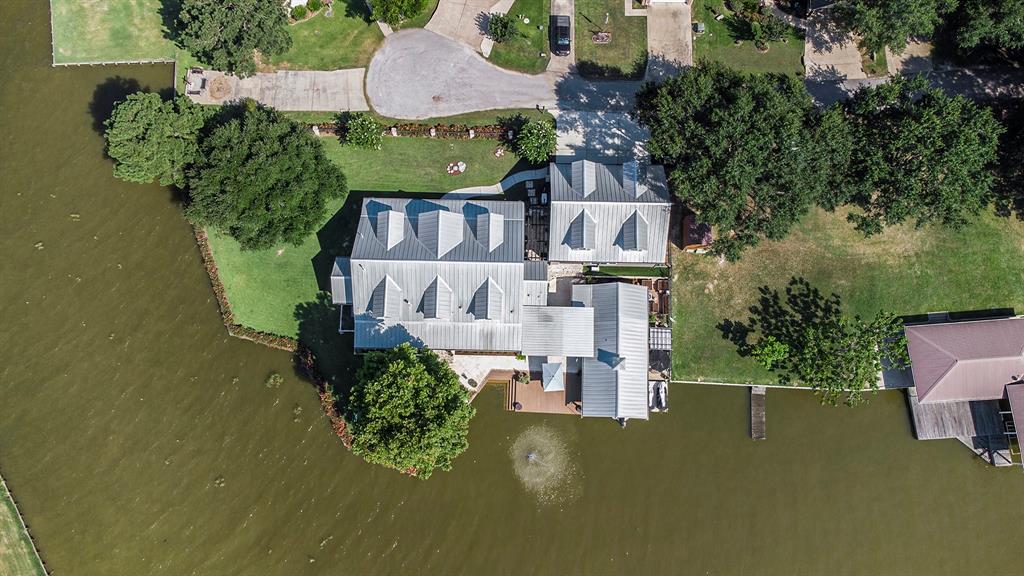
(289, 90)
(499, 188)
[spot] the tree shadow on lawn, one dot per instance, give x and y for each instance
(784, 319)
(356, 9)
(169, 11)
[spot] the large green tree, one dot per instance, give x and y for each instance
(1009, 189)
(805, 337)
(998, 23)
(226, 33)
(263, 179)
(744, 151)
(152, 139)
(393, 12)
(920, 155)
(408, 411)
(882, 23)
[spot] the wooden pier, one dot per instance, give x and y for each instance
(757, 415)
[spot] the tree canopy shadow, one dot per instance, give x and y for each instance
(784, 318)
(169, 12)
(325, 357)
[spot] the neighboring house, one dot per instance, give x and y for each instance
(444, 274)
(968, 382)
(608, 213)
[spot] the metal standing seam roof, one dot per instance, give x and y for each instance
(614, 382)
(973, 360)
(1015, 394)
(558, 331)
(608, 213)
(341, 281)
(448, 284)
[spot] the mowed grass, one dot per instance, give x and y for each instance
(419, 164)
(906, 271)
(109, 31)
(718, 43)
(347, 39)
(522, 53)
(625, 56)
(16, 555)
(264, 287)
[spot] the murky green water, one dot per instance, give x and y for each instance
(122, 401)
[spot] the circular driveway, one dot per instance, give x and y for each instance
(419, 74)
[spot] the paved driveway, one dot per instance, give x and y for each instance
(830, 54)
(462, 20)
(289, 90)
(668, 39)
(420, 74)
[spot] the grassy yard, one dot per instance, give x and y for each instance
(631, 271)
(625, 56)
(522, 52)
(109, 31)
(264, 287)
(875, 68)
(16, 555)
(347, 39)
(421, 20)
(718, 43)
(907, 271)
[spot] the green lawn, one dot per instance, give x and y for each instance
(421, 20)
(264, 287)
(625, 56)
(718, 43)
(347, 39)
(907, 271)
(16, 555)
(418, 164)
(109, 31)
(631, 271)
(874, 68)
(522, 52)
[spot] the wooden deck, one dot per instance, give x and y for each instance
(757, 414)
(532, 397)
(955, 419)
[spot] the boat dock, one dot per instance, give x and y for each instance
(757, 415)
(977, 424)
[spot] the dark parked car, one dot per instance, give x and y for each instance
(561, 34)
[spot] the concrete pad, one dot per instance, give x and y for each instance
(669, 39)
(830, 54)
(291, 90)
(609, 136)
(916, 59)
(462, 20)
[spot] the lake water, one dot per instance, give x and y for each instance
(140, 439)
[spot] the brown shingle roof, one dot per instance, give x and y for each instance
(966, 360)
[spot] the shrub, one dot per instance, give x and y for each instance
(363, 131)
(536, 141)
(773, 27)
(501, 27)
(314, 5)
(393, 12)
(299, 12)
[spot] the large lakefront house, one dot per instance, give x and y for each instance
(968, 382)
(452, 275)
